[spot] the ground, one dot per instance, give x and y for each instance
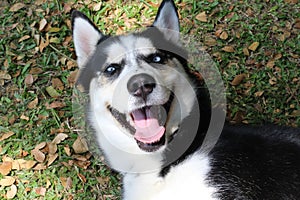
(255, 45)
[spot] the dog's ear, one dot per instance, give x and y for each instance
(167, 20)
(85, 37)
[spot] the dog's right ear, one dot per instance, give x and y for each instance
(85, 37)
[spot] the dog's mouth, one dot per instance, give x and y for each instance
(146, 124)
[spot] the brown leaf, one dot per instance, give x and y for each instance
(38, 155)
(246, 52)
(273, 81)
(40, 191)
(7, 181)
(80, 146)
(224, 35)
(202, 17)
(41, 145)
(55, 104)
(52, 148)
(72, 78)
(16, 7)
(40, 166)
(57, 83)
(28, 79)
(5, 168)
(210, 41)
(228, 49)
(82, 177)
(6, 135)
(271, 63)
(33, 104)
(26, 164)
(253, 46)
(259, 93)
(42, 24)
(25, 37)
(35, 70)
(238, 79)
(66, 182)
(59, 138)
(12, 192)
(52, 158)
(67, 150)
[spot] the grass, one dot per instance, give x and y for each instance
(269, 91)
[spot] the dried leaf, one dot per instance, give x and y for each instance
(66, 182)
(40, 191)
(41, 145)
(273, 81)
(5, 168)
(7, 181)
(52, 148)
(202, 17)
(26, 164)
(246, 52)
(259, 93)
(44, 44)
(16, 7)
(40, 166)
(271, 63)
(57, 83)
(59, 138)
(24, 117)
(33, 104)
(224, 35)
(6, 135)
(80, 145)
(210, 41)
(28, 79)
(35, 70)
(38, 155)
(25, 37)
(55, 104)
(67, 150)
(228, 49)
(42, 24)
(253, 46)
(52, 92)
(238, 79)
(12, 192)
(52, 158)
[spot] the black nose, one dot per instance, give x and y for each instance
(141, 85)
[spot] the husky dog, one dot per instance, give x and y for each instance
(145, 103)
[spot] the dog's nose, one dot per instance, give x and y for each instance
(141, 85)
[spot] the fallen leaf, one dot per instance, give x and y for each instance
(67, 150)
(41, 145)
(40, 191)
(16, 7)
(55, 104)
(52, 148)
(57, 84)
(271, 63)
(12, 192)
(66, 182)
(7, 181)
(44, 43)
(52, 158)
(52, 92)
(6, 135)
(42, 24)
(80, 145)
(28, 79)
(238, 79)
(224, 35)
(273, 81)
(202, 17)
(26, 164)
(228, 49)
(38, 155)
(33, 104)
(82, 177)
(59, 138)
(246, 52)
(295, 113)
(25, 37)
(5, 168)
(253, 46)
(40, 166)
(259, 93)
(24, 117)
(35, 70)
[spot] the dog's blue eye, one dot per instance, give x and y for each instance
(111, 69)
(156, 59)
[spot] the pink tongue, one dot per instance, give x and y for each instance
(146, 124)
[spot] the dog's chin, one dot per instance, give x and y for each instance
(155, 143)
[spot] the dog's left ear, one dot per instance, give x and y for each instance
(167, 20)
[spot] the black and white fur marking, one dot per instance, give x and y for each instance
(247, 162)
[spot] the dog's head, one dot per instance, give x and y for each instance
(138, 84)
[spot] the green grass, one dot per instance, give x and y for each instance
(274, 24)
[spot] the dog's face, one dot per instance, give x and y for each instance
(139, 91)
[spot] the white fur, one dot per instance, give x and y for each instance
(85, 40)
(184, 181)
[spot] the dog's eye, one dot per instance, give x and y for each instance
(156, 58)
(111, 69)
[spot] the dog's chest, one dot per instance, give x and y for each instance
(184, 181)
